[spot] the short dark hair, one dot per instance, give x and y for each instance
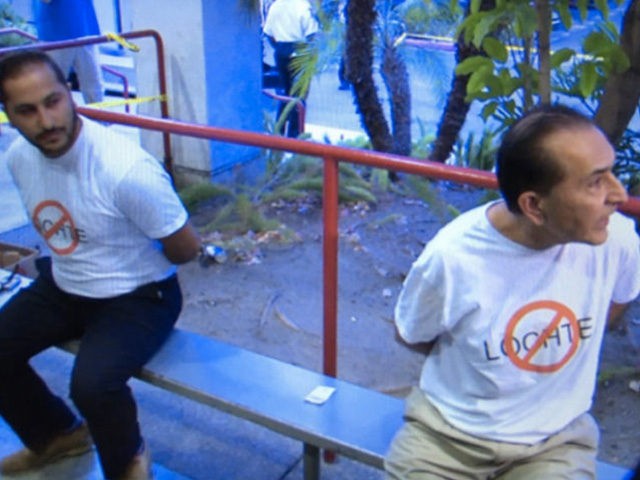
(15, 63)
(523, 163)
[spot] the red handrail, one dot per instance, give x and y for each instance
(300, 107)
(123, 79)
(331, 156)
(162, 80)
(17, 31)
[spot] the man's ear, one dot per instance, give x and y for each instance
(530, 205)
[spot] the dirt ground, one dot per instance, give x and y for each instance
(267, 297)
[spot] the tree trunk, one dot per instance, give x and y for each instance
(456, 108)
(396, 78)
(361, 15)
(622, 91)
(527, 91)
(544, 50)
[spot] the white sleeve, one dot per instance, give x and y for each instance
(146, 196)
(627, 286)
(267, 29)
(309, 24)
(421, 304)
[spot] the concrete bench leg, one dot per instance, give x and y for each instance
(311, 462)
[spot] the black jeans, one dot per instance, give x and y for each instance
(283, 55)
(118, 336)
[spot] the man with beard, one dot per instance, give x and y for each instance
(116, 229)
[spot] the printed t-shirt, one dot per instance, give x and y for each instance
(518, 330)
(99, 207)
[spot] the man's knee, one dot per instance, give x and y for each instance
(90, 390)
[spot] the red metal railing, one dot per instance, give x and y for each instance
(162, 80)
(18, 32)
(331, 156)
(300, 106)
(123, 79)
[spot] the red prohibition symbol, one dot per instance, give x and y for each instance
(557, 313)
(62, 223)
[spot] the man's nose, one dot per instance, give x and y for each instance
(46, 118)
(617, 192)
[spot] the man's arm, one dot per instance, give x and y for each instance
(421, 347)
(183, 245)
(615, 314)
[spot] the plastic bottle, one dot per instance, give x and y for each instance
(211, 253)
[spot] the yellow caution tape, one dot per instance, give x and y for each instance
(110, 103)
(117, 38)
(127, 101)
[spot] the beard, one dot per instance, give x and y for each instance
(67, 133)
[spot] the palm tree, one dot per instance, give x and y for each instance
(622, 90)
(359, 56)
(457, 107)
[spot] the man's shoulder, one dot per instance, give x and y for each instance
(110, 151)
(466, 222)
(467, 231)
(620, 221)
(622, 230)
(97, 129)
(18, 148)
(110, 140)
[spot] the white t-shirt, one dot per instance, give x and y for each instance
(99, 207)
(290, 21)
(471, 289)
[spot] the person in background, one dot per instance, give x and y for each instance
(510, 302)
(116, 229)
(290, 24)
(342, 67)
(58, 20)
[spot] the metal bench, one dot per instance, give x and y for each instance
(356, 422)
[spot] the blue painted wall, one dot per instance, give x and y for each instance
(232, 52)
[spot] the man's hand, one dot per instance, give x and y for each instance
(615, 314)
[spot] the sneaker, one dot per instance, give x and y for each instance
(76, 442)
(139, 468)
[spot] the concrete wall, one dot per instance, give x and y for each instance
(212, 56)
(212, 53)
(181, 31)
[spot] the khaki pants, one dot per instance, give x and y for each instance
(428, 448)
